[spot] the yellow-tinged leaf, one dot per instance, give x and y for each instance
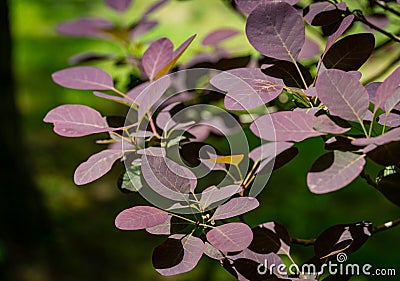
(231, 159)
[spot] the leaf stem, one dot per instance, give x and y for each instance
(123, 95)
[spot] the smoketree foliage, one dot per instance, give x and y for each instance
(358, 123)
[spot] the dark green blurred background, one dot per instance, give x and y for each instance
(54, 230)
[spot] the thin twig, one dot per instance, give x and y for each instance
(360, 17)
(385, 6)
(368, 179)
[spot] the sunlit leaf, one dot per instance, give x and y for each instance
(230, 237)
(235, 207)
(275, 29)
(334, 170)
(140, 217)
(84, 78)
(96, 166)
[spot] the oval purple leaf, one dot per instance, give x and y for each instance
(247, 88)
(157, 56)
(96, 166)
(85, 27)
(75, 120)
(140, 217)
(387, 89)
(343, 94)
(324, 124)
(235, 207)
(334, 170)
(392, 135)
(249, 5)
(218, 36)
(276, 30)
(193, 248)
(84, 78)
(230, 237)
(310, 49)
(285, 126)
(168, 178)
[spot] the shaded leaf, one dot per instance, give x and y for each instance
(387, 154)
(218, 36)
(270, 237)
(235, 207)
(275, 29)
(389, 186)
(322, 13)
(140, 217)
(285, 126)
(96, 166)
(84, 78)
(346, 55)
(288, 72)
(75, 120)
(169, 260)
(343, 94)
(346, 238)
(247, 88)
(334, 170)
(230, 237)
(344, 25)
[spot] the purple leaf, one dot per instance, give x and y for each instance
(218, 36)
(270, 237)
(344, 25)
(249, 5)
(343, 94)
(247, 88)
(143, 27)
(387, 89)
(334, 170)
(85, 27)
(322, 13)
(140, 217)
(324, 124)
(157, 56)
(391, 120)
(111, 97)
(84, 78)
(371, 89)
(119, 5)
(379, 20)
(213, 252)
(175, 57)
(157, 5)
(392, 135)
(235, 207)
(168, 178)
(230, 237)
(151, 95)
(276, 30)
(135, 92)
(269, 150)
(168, 260)
(285, 126)
(212, 195)
(96, 166)
(310, 50)
(171, 226)
(75, 120)
(346, 55)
